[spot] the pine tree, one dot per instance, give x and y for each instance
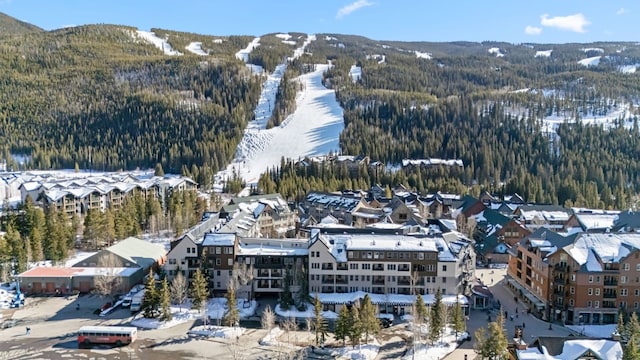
(151, 298)
(320, 324)
(343, 325)
(355, 330)
(369, 318)
(165, 301)
(232, 317)
(631, 351)
(422, 312)
(199, 292)
(436, 319)
(158, 170)
(286, 298)
(457, 319)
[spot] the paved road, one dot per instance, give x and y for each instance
(494, 279)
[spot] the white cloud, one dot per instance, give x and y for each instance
(576, 22)
(622, 11)
(532, 30)
(348, 9)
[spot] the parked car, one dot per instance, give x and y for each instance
(385, 323)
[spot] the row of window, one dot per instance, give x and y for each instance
(390, 255)
(428, 279)
(378, 267)
(377, 290)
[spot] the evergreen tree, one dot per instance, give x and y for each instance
(158, 170)
(355, 329)
(232, 317)
(631, 350)
(151, 299)
(632, 334)
(436, 325)
(165, 301)
(369, 318)
(199, 292)
(457, 319)
(422, 312)
(286, 298)
(343, 325)
(320, 324)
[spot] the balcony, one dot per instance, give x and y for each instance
(609, 295)
(377, 290)
(404, 280)
(609, 304)
(378, 267)
(327, 289)
(327, 266)
(328, 279)
(610, 282)
(561, 267)
(559, 280)
(342, 279)
(342, 266)
(378, 280)
(342, 289)
(403, 267)
(263, 273)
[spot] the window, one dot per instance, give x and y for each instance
(589, 303)
(228, 250)
(636, 292)
(444, 267)
(623, 278)
(570, 302)
(391, 266)
(596, 304)
(590, 291)
(350, 253)
(444, 279)
(623, 304)
(315, 265)
(230, 261)
(313, 254)
(572, 290)
(353, 266)
(626, 267)
(597, 291)
(624, 292)
(597, 279)
(218, 284)
(172, 261)
(217, 272)
(637, 267)
(635, 304)
(366, 266)
(188, 250)
(590, 279)
(368, 278)
(218, 250)
(573, 277)
(218, 261)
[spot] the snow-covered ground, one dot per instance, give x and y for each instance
(361, 352)
(436, 351)
(244, 53)
(161, 44)
(355, 72)
(217, 331)
(316, 125)
(180, 315)
(543, 53)
(271, 339)
(592, 61)
(309, 313)
(423, 55)
(196, 48)
(496, 51)
(217, 308)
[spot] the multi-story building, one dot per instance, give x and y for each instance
(266, 215)
(218, 252)
(390, 265)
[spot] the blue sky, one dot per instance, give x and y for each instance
(516, 21)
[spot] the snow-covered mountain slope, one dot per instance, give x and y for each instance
(244, 53)
(161, 44)
(196, 48)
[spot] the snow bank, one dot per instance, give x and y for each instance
(271, 339)
(217, 308)
(196, 48)
(592, 61)
(543, 53)
(361, 352)
(179, 316)
(423, 55)
(436, 351)
(225, 332)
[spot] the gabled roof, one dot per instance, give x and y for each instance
(548, 241)
(627, 219)
(570, 348)
(219, 239)
(140, 252)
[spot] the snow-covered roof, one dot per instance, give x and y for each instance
(574, 349)
(219, 239)
(398, 299)
(432, 162)
(271, 250)
(596, 221)
(608, 247)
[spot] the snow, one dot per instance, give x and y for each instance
(217, 308)
(271, 339)
(346, 298)
(592, 61)
(180, 315)
(355, 72)
(244, 53)
(288, 42)
(225, 332)
(361, 352)
(628, 69)
(436, 351)
(574, 349)
(293, 312)
(423, 55)
(283, 36)
(543, 53)
(196, 48)
(496, 51)
(600, 50)
(161, 44)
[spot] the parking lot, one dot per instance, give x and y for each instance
(54, 321)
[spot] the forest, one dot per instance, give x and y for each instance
(80, 96)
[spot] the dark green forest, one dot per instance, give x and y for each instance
(100, 97)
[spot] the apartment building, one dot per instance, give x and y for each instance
(389, 265)
(218, 252)
(589, 277)
(265, 215)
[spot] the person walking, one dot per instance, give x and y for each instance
(28, 330)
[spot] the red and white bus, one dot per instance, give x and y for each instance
(117, 335)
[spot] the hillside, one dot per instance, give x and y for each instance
(114, 97)
(13, 26)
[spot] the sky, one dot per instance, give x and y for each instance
(515, 21)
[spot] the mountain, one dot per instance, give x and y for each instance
(537, 119)
(10, 25)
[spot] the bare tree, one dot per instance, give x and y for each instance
(268, 320)
(235, 348)
(107, 282)
(243, 276)
(179, 289)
